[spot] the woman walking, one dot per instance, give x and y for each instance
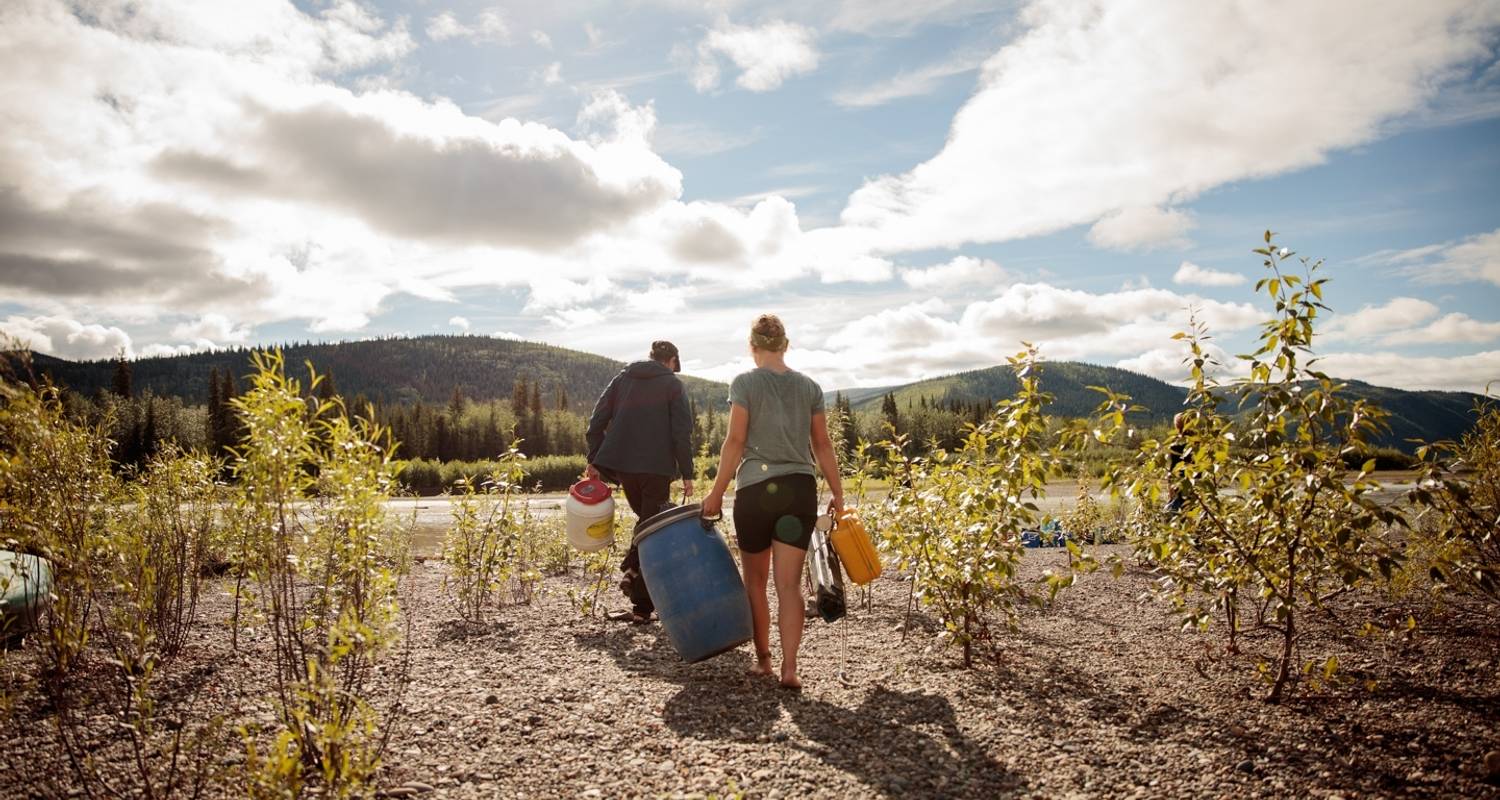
(776, 446)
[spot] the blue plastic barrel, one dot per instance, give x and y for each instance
(693, 581)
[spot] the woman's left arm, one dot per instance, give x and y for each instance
(828, 462)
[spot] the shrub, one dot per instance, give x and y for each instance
(1459, 493)
(554, 473)
(125, 567)
(1385, 458)
(955, 519)
(159, 543)
(56, 490)
(1275, 521)
(324, 579)
(1091, 522)
(421, 476)
(487, 546)
(547, 473)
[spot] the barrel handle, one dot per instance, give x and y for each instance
(708, 522)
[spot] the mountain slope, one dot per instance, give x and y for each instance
(1067, 381)
(428, 368)
(405, 370)
(1427, 415)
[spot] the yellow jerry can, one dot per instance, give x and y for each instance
(855, 550)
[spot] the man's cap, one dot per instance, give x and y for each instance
(663, 350)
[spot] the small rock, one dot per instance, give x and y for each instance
(491, 699)
(1245, 766)
(1492, 763)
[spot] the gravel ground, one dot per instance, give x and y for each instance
(1098, 696)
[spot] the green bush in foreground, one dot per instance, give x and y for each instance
(1273, 522)
(324, 563)
(1459, 492)
(954, 520)
(125, 585)
(491, 544)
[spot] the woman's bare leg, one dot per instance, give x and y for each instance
(787, 564)
(756, 568)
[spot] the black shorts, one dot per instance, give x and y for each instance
(782, 508)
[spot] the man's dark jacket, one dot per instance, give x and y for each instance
(642, 424)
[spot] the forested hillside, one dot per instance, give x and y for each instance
(1426, 415)
(401, 371)
(1067, 381)
(414, 379)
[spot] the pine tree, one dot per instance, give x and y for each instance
(230, 431)
(850, 428)
(121, 382)
(148, 431)
(538, 426)
(440, 439)
(457, 403)
(519, 395)
(215, 412)
(494, 440)
(889, 411)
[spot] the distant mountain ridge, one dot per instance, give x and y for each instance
(1427, 415)
(394, 370)
(427, 369)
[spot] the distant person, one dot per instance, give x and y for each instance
(640, 436)
(1176, 454)
(776, 445)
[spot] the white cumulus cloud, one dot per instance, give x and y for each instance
(217, 329)
(1099, 107)
(1372, 321)
(462, 323)
(1449, 328)
(1194, 275)
(67, 338)
(1469, 373)
(964, 274)
(1142, 228)
(766, 55)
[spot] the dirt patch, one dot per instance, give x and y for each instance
(1100, 695)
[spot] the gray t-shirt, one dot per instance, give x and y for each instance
(779, 441)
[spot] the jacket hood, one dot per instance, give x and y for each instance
(648, 369)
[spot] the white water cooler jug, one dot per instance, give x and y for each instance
(591, 515)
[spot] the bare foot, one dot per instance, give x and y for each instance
(789, 679)
(762, 665)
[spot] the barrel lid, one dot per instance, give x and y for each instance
(589, 491)
(664, 519)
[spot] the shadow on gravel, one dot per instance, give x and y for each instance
(898, 743)
(500, 636)
(894, 743)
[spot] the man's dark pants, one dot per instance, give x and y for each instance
(647, 495)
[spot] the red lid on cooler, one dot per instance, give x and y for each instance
(589, 491)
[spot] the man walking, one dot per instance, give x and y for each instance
(640, 436)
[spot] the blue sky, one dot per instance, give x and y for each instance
(915, 187)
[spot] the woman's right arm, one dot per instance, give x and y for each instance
(729, 459)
